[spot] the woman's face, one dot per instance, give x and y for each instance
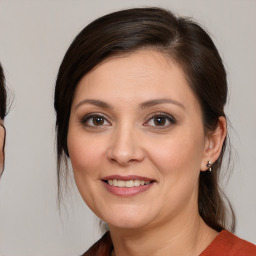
(2, 137)
(136, 140)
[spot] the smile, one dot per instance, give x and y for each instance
(128, 183)
(127, 186)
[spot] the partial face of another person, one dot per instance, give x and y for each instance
(136, 140)
(2, 138)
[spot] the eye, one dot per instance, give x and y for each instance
(160, 120)
(94, 120)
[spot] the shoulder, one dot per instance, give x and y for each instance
(102, 247)
(228, 244)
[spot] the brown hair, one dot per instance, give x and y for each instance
(187, 44)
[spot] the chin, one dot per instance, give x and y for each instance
(128, 219)
(127, 224)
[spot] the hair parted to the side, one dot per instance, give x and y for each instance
(180, 39)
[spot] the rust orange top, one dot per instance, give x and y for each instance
(225, 244)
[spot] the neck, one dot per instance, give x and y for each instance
(176, 237)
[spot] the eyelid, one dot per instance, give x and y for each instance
(86, 117)
(169, 117)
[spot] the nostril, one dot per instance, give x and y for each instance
(125, 149)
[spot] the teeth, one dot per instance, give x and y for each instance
(136, 183)
(121, 183)
(128, 183)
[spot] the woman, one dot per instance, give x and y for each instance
(140, 99)
(2, 115)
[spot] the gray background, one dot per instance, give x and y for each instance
(34, 36)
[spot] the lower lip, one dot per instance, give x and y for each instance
(126, 192)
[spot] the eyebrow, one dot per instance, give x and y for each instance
(151, 103)
(146, 104)
(97, 103)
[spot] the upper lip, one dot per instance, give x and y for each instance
(126, 178)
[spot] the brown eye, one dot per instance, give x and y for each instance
(98, 120)
(94, 120)
(159, 121)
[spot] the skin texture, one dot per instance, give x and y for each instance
(161, 219)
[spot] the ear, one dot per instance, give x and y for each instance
(214, 143)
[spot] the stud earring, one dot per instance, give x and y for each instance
(209, 165)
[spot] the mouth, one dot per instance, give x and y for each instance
(127, 185)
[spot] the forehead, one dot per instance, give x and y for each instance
(139, 64)
(142, 74)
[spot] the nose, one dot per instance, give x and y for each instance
(125, 147)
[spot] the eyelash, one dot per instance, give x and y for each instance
(167, 118)
(85, 120)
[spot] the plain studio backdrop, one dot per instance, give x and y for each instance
(34, 36)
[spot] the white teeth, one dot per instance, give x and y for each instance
(115, 183)
(121, 183)
(136, 183)
(128, 183)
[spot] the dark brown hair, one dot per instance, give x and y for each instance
(185, 42)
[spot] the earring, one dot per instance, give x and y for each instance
(209, 165)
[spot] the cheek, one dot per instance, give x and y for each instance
(85, 154)
(179, 156)
(177, 162)
(86, 159)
